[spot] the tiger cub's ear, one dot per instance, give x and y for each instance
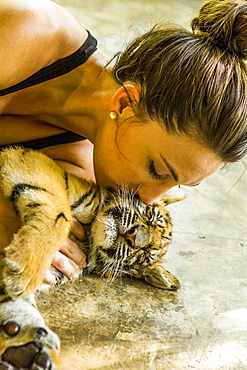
(171, 196)
(157, 276)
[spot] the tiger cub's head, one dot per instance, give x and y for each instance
(130, 237)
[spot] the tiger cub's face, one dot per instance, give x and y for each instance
(131, 237)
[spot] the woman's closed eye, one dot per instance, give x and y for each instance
(152, 171)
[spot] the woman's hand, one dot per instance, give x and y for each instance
(71, 250)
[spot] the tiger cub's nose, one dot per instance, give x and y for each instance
(130, 236)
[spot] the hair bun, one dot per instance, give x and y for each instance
(224, 22)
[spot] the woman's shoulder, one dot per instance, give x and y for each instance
(34, 34)
(76, 158)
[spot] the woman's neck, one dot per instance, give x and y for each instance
(77, 101)
(86, 106)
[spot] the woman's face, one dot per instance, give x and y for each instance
(148, 160)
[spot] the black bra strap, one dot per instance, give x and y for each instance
(63, 138)
(58, 68)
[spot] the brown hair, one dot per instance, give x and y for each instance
(195, 82)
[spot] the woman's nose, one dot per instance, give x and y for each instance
(149, 194)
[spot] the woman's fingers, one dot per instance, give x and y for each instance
(77, 229)
(72, 250)
(62, 263)
(49, 278)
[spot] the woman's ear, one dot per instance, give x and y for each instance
(126, 96)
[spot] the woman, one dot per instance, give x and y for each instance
(171, 111)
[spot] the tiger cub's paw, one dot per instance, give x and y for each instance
(24, 268)
(25, 341)
(157, 276)
(18, 281)
(28, 356)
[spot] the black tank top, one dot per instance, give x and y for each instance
(56, 69)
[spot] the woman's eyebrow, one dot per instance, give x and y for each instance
(171, 169)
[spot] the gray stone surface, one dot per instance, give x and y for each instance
(130, 325)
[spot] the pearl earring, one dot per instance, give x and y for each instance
(113, 115)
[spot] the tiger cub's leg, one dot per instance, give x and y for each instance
(36, 187)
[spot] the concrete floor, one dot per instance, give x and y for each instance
(128, 324)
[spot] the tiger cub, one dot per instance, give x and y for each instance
(123, 234)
